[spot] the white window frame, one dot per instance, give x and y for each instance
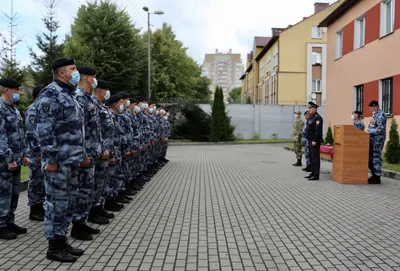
(359, 105)
(317, 85)
(387, 24)
(386, 107)
(316, 58)
(339, 44)
(316, 32)
(359, 32)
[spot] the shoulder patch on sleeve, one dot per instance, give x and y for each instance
(46, 107)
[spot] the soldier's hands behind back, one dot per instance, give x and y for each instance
(85, 163)
(51, 167)
(12, 166)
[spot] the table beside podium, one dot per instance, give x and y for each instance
(350, 155)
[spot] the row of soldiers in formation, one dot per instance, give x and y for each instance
(308, 134)
(85, 158)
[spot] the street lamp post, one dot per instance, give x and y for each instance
(158, 12)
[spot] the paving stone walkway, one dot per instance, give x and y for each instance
(234, 208)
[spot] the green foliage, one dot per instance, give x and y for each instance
(239, 136)
(248, 100)
(221, 127)
(235, 95)
(153, 95)
(103, 37)
(256, 136)
(47, 44)
(392, 153)
(329, 137)
(274, 136)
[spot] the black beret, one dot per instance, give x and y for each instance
(62, 62)
(141, 99)
(36, 91)
(133, 100)
(358, 112)
(123, 95)
(305, 113)
(103, 84)
(373, 103)
(9, 83)
(312, 104)
(87, 71)
(150, 102)
(113, 99)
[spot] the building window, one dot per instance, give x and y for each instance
(316, 58)
(387, 17)
(316, 85)
(359, 98)
(316, 32)
(386, 95)
(359, 32)
(339, 44)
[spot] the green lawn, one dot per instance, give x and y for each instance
(24, 173)
(385, 165)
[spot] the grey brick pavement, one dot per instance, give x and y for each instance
(234, 208)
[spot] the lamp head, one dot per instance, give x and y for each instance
(159, 12)
(146, 9)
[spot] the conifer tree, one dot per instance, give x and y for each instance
(392, 153)
(216, 117)
(329, 136)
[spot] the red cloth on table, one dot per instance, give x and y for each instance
(327, 149)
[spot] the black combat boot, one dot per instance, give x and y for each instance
(374, 179)
(6, 234)
(111, 205)
(307, 168)
(73, 251)
(58, 252)
(96, 217)
(106, 214)
(79, 232)
(16, 229)
(298, 163)
(314, 177)
(36, 213)
(121, 198)
(309, 176)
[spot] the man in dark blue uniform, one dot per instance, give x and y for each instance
(314, 137)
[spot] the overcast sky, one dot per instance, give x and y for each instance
(202, 25)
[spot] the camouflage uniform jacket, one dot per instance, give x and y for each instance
(145, 127)
(107, 127)
(31, 133)
(298, 129)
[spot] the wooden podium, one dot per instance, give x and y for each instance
(350, 155)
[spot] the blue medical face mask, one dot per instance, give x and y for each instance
(15, 97)
(151, 110)
(137, 109)
(107, 96)
(128, 103)
(75, 77)
(94, 85)
(121, 108)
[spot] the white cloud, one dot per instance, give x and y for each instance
(202, 25)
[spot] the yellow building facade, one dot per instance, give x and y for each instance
(293, 63)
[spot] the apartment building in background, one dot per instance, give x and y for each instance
(291, 69)
(224, 70)
(363, 59)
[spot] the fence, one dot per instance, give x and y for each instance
(264, 120)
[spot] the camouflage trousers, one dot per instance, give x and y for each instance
(84, 195)
(125, 175)
(100, 181)
(375, 154)
(9, 193)
(306, 151)
(36, 190)
(120, 176)
(60, 200)
(110, 190)
(298, 150)
(164, 148)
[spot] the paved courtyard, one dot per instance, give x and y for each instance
(240, 207)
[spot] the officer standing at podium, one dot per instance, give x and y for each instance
(314, 137)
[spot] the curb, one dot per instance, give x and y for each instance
(222, 143)
(385, 173)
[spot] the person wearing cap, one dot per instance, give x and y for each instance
(314, 137)
(304, 143)
(101, 94)
(145, 136)
(357, 120)
(36, 190)
(297, 133)
(377, 131)
(60, 121)
(162, 126)
(167, 135)
(13, 153)
(114, 170)
(93, 150)
(127, 145)
(154, 135)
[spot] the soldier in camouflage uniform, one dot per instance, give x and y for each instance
(377, 131)
(114, 170)
(92, 151)
(13, 153)
(145, 135)
(60, 121)
(100, 95)
(304, 141)
(357, 120)
(36, 190)
(297, 134)
(166, 136)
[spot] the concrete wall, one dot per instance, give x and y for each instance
(263, 119)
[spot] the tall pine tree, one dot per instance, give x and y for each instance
(227, 127)
(392, 153)
(10, 66)
(103, 37)
(216, 117)
(47, 44)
